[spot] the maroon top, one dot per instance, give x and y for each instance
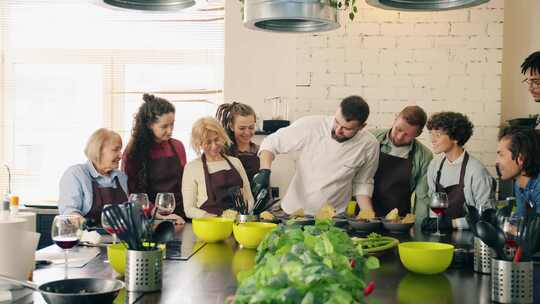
(158, 150)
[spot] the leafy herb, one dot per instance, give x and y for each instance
(310, 265)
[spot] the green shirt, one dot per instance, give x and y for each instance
(420, 157)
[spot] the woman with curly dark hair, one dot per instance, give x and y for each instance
(238, 120)
(153, 160)
(462, 177)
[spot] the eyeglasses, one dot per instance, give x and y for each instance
(534, 83)
(436, 134)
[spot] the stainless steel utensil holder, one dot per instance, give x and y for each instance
(244, 218)
(482, 257)
(511, 282)
(143, 270)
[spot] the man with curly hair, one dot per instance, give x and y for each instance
(518, 158)
(455, 172)
(531, 69)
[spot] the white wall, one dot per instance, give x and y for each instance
(521, 37)
(439, 60)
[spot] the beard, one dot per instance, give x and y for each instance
(339, 139)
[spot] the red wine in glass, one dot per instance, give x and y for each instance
(66, 242)
(438, 210)
(165, 212)
(147, 210)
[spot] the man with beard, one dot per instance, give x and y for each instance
(403, 163)
(337, 159)
(518, 158)
(531, 69)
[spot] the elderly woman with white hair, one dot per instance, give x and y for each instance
(86, 188)
(207, 180)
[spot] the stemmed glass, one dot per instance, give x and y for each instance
(66, 232)
(165, 203)
(439, 203)
(141, 201)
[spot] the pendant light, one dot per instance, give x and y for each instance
(152, 5)
(424, 5)
(293, 16)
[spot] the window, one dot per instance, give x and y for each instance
(71, 67)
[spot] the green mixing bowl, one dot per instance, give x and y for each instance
(426, 257)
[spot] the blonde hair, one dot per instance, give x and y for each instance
(200, 130)
(96, 141)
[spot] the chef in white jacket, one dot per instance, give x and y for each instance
(337, 159)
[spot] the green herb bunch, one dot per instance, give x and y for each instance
(314, 264)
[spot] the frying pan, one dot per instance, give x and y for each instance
(74, 291)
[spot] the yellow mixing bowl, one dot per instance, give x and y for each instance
(426, 257)
(212, 229)
(250, 234)
(117, 257)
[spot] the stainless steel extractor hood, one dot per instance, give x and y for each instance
(151, 5)
(424, 5)
(293, 16)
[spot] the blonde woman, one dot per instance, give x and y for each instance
(208, 179)
(86, 188)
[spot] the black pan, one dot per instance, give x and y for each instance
(74, 291)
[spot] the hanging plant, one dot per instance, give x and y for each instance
(347, 5)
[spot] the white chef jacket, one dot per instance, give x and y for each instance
(326, 171)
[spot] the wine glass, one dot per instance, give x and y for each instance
(165, 203)
(439, 203)
(141, 200)
(107, 227)
(511, 225)
(66, 232)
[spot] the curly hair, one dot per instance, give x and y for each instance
(525, 142)
(532, 62)
(355, 108)
(226, 114)
(142, 138)
(456, 125)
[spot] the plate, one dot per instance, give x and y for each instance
(397, 227)
(365, 225)
(387, 243)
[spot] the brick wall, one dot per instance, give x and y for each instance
(448, 60)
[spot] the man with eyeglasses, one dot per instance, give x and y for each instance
(337, 159)
(531, 69)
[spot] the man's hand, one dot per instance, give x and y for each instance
(430, 224)
(261, 181)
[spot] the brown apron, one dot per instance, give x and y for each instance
(251, 163)
(104, 196)
(392, 185)
(217, 186)
(165, 175)
(456, 196)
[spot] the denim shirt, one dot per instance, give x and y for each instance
(531, 193)
(76, 187)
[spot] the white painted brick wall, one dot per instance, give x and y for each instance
(448, 60)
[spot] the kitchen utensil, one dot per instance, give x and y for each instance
(244, 218)
(490, 216)
(118, 222)
(260, 201)
(239, 204)
(249, 235)
(394, 227)
(212, 229)
(164, 232)
(493, 237)
(472, 217)
(426, 257)
(74, 291)
(132, 226)
(505, 211)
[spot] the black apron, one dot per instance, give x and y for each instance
(250, 161)
(104, 196)
(392, 185)
(217, 186)
(165, 175)
(456, 196)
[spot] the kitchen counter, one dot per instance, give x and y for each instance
(209, 276)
